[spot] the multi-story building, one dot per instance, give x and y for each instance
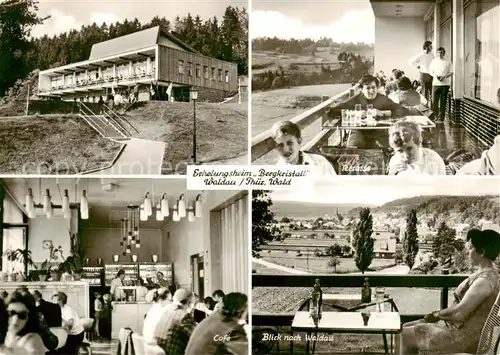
(152, 63)
(469, 31)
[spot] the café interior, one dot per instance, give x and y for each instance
(73, 235)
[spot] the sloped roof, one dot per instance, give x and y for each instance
(136, 41)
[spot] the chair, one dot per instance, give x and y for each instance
(61, 334)
(142, 347)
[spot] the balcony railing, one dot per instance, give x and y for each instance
(86, 83)
(442, 282)
(264, 143)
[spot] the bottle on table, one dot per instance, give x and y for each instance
(366, 292)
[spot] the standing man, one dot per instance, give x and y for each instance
(423, 61)
(117, 293)
(442, 70)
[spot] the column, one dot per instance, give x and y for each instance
(437, 27)
(458, 49)
(74, 78)
(130, 68)
(114, 70)
(63, 80)
(87, 74)
(148, 66)
(100, 72)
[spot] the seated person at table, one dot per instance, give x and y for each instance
(488, 164)
(50, 311)
(288, 137)
(406, 96)
(410, 158)
(22, 333)
(385, 108)
(457, 329)
(393, 84)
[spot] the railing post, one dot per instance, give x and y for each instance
(444, 292)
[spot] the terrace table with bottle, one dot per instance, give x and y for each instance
(375, 318)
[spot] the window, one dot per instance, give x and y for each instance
(445, 39)
(220, 75)
(227, 76)
(13, 237)
(429, 28)
(190, 69)
(446, 9)
(198, 71)
(205, 71)
(482, 51)
(213, 73)
(181, 67)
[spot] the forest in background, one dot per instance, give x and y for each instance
(20, 54)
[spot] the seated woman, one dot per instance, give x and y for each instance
(22, 337)
(410, 157)
(406, 96)
(457, 328)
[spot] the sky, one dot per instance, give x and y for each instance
(379, 190)
(341, 20)
(67, 14)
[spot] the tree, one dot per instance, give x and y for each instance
(334, 250)
(363, 241)
(334, 262)
(410, 243)
(285, 220)
(262, 217)
(444, 245)
(16, 22)
(346, 250)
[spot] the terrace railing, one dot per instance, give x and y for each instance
(106, 126)
(84, 83)
(442, 282)
(264, 143)
(120, 121)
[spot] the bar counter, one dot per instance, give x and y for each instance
(128, 314)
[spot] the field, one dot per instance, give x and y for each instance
(268, 60)
(318, 264)
(61, 144)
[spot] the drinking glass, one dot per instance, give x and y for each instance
(379, 298)
(370, 114)
(358, 112)
(344, 117)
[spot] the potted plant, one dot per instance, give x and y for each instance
(72, 265)
(19, 256)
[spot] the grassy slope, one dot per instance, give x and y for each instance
(172, 123)
(59, 144)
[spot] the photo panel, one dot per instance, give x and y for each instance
(123, 250)
(377, 87)
(122, 88)
(346, 267)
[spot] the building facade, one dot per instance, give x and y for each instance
(469, 31)
(151, 63)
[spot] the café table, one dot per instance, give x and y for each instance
(345, 322)
(368, 125)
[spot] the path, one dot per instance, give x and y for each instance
(140, 157)
(279, 267)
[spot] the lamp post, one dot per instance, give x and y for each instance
(194, 97)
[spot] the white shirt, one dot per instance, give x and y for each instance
(428, 163)
(441, 67)
(320, 163)
(68, 314)
(488, 164)
(116, 293)
(152, 318)
(423, 60)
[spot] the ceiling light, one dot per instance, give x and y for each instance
(84, 206)
(181, 206)
(164, 206)
(159, 215)
(148, 206)
(191, 216)
(198, 208)
(30, 203)
(46, 202)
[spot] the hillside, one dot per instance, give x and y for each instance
(59, 144)
(306, 210)
(221, 129)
